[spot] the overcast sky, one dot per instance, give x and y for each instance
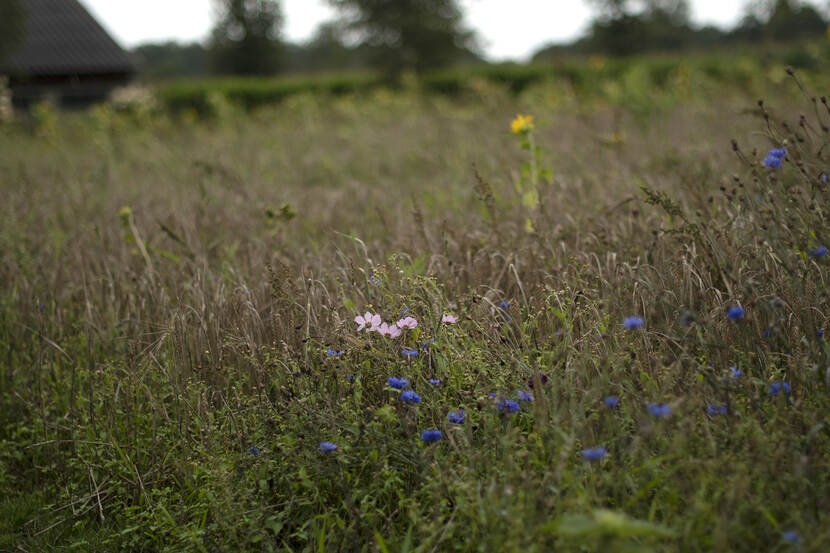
(508, 29)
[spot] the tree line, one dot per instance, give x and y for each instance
(415, 35)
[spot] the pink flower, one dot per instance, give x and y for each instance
(389, 330)
(407, 322)
(373, 322)
(451, 319)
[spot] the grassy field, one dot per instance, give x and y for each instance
(182, 371)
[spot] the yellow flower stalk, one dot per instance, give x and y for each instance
(522, 124)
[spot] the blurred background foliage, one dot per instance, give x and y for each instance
(398, 36)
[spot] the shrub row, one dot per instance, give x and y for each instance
(740, 68)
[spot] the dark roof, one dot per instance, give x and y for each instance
(60, 37)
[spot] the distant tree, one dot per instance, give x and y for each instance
(327, 51)
(171, 59)
(408, 34)
(11, 27)
(791, 19)
(676, 11)
(624, 27)
(246, 40)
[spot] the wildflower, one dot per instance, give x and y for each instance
(457, 417)
(327, 446)
(389, 330)
(522, 124)
(509, 405)
(543, 378)
(659, 409)
(612, 402)
(735, 372)
(407, 322)
(821, 251)
(368, 320)
(409, 352)
(735, 312)
(334, 353)
(410, 397)
(449, 319)
(687, 318)
(631, 323)
(525, 396)
(351, 377)
(780, 153)
(254, 450)
(594, 453)
(428, 436)
(824, 177)
(435, 381)
(820, 333)
(397, 383)
(791, 536)
(505, 305)
(717, 409)
(772, 162)
(777, 387)
(767, 332)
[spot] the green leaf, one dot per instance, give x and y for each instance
(381, 542)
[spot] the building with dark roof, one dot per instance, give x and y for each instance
(63, 56)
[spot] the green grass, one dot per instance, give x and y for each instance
(170, 288)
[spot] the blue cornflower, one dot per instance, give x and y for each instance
(824, 177)
(594, 453)
(397, 383)
(492, 395)
(791, 536)
(333, 353)
(457, 417)
(409, 352)
(734, 374)
(410, 397)
(717, 409)
(404, 312)
(525, 396)
(780, 153)
(254, 450)
(430, 435)
(631, 323)
(767, 332)
(327, 446)
(772, 162)
(612, 402)
(735, 312)
(659, 409)
(777, 387)
(821, 251)
(820, 333)
(505, 305)
(509, 405)
(435, 381)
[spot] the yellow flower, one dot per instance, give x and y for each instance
(522, 124)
